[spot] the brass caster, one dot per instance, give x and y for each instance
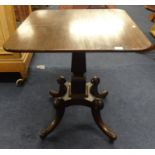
(19, 82)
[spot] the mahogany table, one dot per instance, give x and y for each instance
(78, 32)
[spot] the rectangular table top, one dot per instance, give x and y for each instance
(86, 30)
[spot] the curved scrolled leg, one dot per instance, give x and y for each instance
(94, 88)
(52, 125)
(97, 117)
(62, 88)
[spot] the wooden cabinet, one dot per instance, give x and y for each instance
(22, 11)
(151, 17)
(11, 62)
(152, 31)
(62, 7)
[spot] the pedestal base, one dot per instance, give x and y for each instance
(91, 98)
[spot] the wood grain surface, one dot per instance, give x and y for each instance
(85, 30)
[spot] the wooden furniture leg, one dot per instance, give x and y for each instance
(102, 125)
(53, 124)
(78, 92)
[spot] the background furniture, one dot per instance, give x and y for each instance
(151, 8)
(152, 31)
(22, 11)
(11, 62)
(151, 17)
(61, 7)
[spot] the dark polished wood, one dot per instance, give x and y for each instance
(85, 30)
(52, 125)
(94, 102)
(78, 31)
(87, 99)
(62, 88)
(78, 70)
(78, 92)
